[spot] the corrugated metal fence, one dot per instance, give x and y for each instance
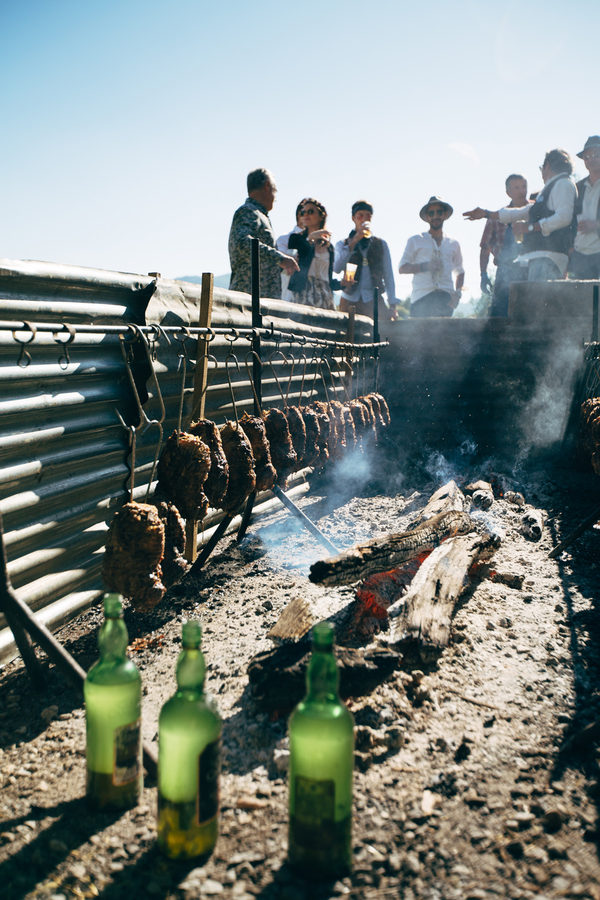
(63, 451)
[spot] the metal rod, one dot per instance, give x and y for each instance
(595, 314)
(268, 334)
(305, 520)
(211, 543)
(246, 517)
(587, 523)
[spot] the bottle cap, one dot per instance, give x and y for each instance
(191, 634)
(112, 606)
(323, 635)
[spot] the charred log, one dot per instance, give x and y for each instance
(383, 554)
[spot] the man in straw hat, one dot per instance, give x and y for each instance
(585, 259)
(433, 259)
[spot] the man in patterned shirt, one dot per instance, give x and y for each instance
(252, 221)
(498, 241)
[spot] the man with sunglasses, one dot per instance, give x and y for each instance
(543, 229)
(371, 256)
(585, 259)
(252, 221)
(433, 259)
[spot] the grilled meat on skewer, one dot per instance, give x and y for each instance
(383, 408)
(351, 441)
(242, 478)
(283, 454)
(323, 409)
(373, 418)
(134, 549)
(345, 437)
(254, 429)
(360, 418)
(313, 430)
(182, 470)
(173, 565)
(374, 400)
(217, 479)
(297, 432)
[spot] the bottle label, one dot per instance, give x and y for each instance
(127, 752)
(314, 802)
(209, 768)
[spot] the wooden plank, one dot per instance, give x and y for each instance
(446, 499)
(199, 394)
(432, 596)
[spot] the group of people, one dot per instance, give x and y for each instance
(542, 238)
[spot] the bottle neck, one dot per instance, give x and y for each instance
(191, 670)
(113, 640)
(322, 678)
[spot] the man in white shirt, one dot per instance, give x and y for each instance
(433, 259)
(371, 258)
(543, 228)
(585, 259)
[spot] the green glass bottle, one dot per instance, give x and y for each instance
(113, 691)
(189, 759)
(321, 764)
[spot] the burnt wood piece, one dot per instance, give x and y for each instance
(215, 486)
(283, 454)
(446, 499)
(477, 486)
(242, 478)
(182, 469)
(435, 589)
(383, 554)
(480, 571)
(278, 677)
(254, 429)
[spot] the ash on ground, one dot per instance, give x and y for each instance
(466, 785)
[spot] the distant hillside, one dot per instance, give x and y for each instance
(220, 280)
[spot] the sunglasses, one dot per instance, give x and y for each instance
(308, 212)
(435, 212)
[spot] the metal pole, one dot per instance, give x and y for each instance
(256, 323)
(305, 520)
(595, 314)
(376, 335)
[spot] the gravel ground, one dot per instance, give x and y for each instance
(464, 786)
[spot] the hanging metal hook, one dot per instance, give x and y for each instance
(232, 356)
(64, 359)
(196, 408)
(132, 433)
(305, 358)
(285, 360)
(255, 355)
(154, 338)
(181, 364)
(25, 356)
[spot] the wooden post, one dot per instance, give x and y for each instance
(199, 397)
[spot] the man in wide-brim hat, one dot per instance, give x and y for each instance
(433, 260)
(585, 258)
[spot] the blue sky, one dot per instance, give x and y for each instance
(128, 127)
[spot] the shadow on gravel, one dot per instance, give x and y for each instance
(34, 862)
(152, 875)
(579, 570)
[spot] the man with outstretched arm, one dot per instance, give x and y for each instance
(498, 241)
(252, 221)
(543, 227)
(432, 258)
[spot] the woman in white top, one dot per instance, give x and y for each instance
(314, 284)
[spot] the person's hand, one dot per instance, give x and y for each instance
(588, 225)
(455, 297)
(346, 282)
(360, 229)
(520, 227)
(477, 213)
(485, 283)
(321, 235)
(289, 264)
(426, 266)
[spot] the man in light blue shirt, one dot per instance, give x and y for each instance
(370, 257)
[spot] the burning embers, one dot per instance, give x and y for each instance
(221, 468)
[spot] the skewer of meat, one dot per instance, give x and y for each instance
(135, 546)
(173, 564)
(242, 477)
(182, 470)
(313, 431)
(297, 433)
(254, 429)
(215, 486)
(383, 408)
(283, 454)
